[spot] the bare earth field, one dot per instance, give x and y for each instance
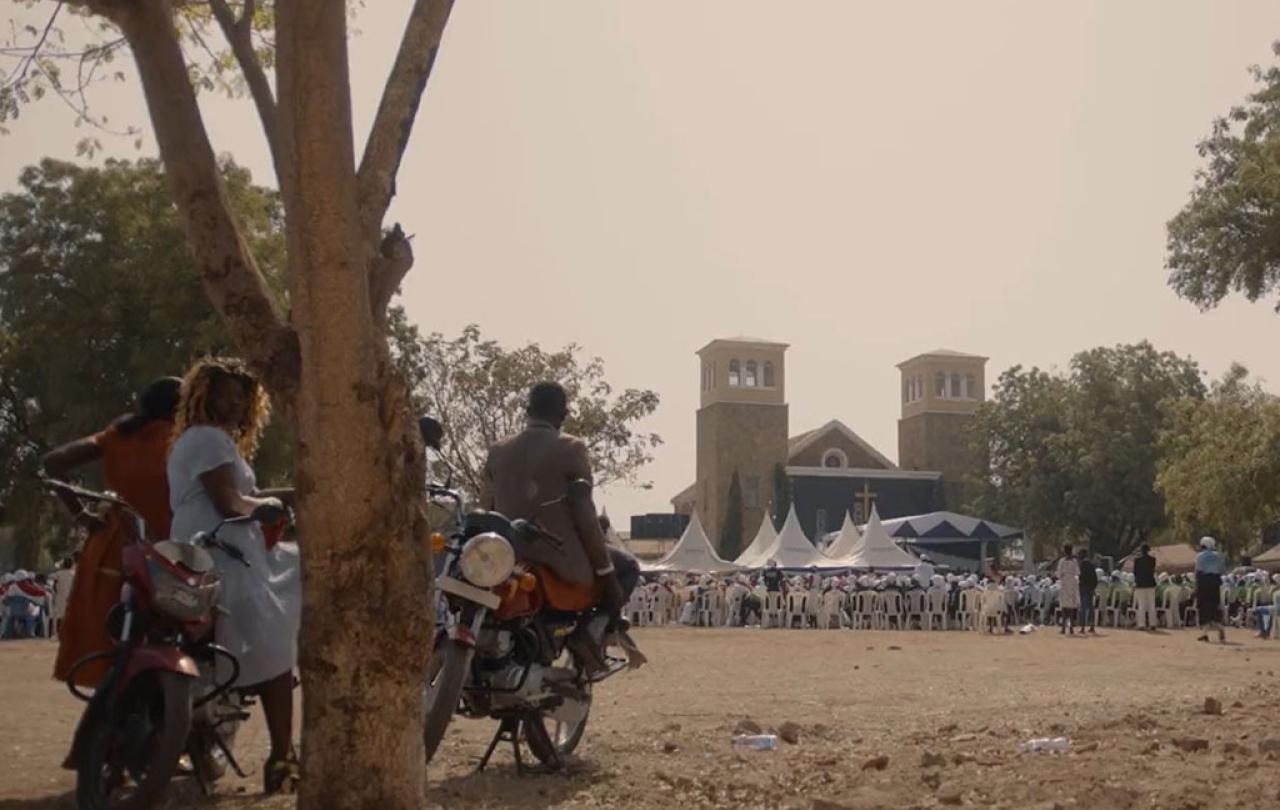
(946, 710)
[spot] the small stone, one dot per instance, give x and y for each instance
(894, 647)
(964, 738)
(747, 726)
(1237, 705)
(952, 797)
(789, 732)
(1212, 706)
(949, 728)
(1269, 746)
(963, 758)
(1151, 748)
(876, 763)
(930, 759)
(669, 747)
(1190, 744)
(932, 779)
(1234, 748)
(1087, 747)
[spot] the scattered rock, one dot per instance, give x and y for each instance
(949, 728)
(876, 763)
(932, 779)
(1087, 747)
(894, 647)
(747, 726)
(1212, 706)
(668, 747)
(1151, 748)
(951, 797)
(1235, 704)
(789, 732)
(1192, 744)
(964, 738)
(963, 758)
(1269, 745)
(1234, 748)
(930, 759)
(1117, 796)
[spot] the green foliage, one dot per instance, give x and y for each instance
(99, 296)
(731, 530)
(1074, 455)
(478, 390)
(1227, 237)
(781, 496)
(1219, 470)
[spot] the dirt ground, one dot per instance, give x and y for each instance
(887, 720)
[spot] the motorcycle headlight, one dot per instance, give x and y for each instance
(487, 559)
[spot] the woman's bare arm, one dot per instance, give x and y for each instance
(60, 461)
(220, 484)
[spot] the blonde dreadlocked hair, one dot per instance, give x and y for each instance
(197, 388)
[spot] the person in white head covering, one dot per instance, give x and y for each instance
(1068, 590)
(924, 571)
(1210, 566)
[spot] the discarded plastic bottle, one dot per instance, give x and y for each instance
(1052, 745)
(756, 742)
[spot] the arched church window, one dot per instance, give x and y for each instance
(971, 387)
(955, 386)
(940, 384)
(751, 379)
(706, 377)
(835, 459)
(735, 376)
(906, 390)
(768, 375)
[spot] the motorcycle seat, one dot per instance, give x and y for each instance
(191, 557)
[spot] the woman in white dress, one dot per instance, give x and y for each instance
(1068, 590)
(221, 413)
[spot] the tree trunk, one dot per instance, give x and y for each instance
(366, 603)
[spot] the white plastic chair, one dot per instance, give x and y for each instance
(970, 606)
(711, 610)
(831, 610)
(864, 610)
(797, 609)
(937, 609)
(917, 606)
(774, 611)
(888, 609)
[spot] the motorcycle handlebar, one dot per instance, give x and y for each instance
(83, 494)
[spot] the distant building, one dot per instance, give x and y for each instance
(743, 429)
(658, 526)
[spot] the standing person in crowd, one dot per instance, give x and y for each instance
(1210, 566)
(1068, 591)
(1144, 589)
(923, 574)
(62, 580)
(1088, 589)
(132, 450)
(772, 578)
(220, 418)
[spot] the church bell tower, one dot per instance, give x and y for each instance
(742, 428)
(941, 392)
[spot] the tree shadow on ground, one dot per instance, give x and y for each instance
(500, 785)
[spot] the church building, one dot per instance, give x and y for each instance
(743, 431)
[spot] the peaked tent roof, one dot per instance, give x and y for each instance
(792, 549)
(966, 529)
(757, 554)
(877, 549)
(846, 542)
(693, 553)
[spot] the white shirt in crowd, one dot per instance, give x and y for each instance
(923, 573)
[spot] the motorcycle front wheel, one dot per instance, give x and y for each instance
(134, 751)
(446, 675)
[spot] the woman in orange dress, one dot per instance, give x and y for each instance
(134, 451)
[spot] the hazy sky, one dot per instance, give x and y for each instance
(864, 181)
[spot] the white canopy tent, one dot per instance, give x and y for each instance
(848, 541)
(757, 554)
(692, 554)
(877, 549)
(792, 548)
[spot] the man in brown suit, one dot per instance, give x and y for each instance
(525, 473)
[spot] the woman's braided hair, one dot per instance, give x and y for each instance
(197, 389)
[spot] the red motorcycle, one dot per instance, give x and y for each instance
(159, 699)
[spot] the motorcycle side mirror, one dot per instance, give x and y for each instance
(432, 432)
(577, 490)
(267, 513)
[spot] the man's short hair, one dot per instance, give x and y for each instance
(1144, 548)
(549, 401)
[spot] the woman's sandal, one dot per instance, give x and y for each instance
(282, 775)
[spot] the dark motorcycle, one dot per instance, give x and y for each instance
(502, 646)
(149, 709)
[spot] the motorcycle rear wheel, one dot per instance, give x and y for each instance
(552, 737)
(104, 780)
(446, 674)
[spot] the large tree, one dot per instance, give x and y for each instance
(366, 631)
(478, 389)
(98, 296)
(1074, 454)
(1219, 469)
(1226, 239)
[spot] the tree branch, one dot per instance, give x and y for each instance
(397, 110)
(239, 34)
(226, 267)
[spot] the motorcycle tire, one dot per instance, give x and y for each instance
(447, 672)
(98, 778)
(552, 742)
